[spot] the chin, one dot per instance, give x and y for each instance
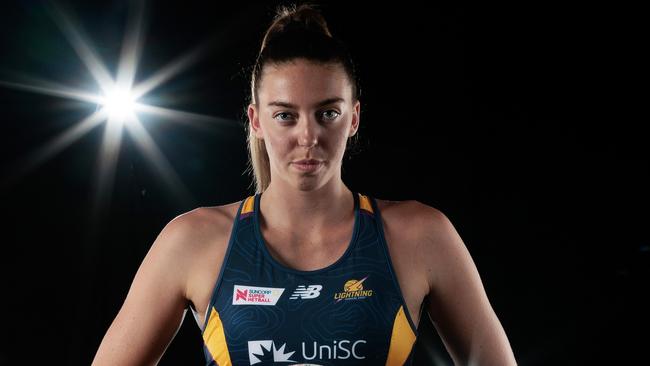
(307, 187)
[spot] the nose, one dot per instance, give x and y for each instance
(308, 134)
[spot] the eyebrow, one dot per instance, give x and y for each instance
(279, 103)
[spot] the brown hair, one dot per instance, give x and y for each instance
(296, 32)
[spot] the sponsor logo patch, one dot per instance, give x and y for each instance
(253, 295)
(306, 292)
(266, 351)
(353, 290)
(260, 351)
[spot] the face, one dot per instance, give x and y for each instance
(304, 111)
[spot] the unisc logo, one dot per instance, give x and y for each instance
(353, 290)
(267, 351)
(257, 350)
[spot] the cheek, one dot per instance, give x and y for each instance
(343, 138)
(276, 146)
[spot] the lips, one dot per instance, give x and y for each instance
(308, 165)
(307, 161)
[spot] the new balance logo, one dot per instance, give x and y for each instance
(306, 292)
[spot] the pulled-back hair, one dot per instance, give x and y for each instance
(296, 32)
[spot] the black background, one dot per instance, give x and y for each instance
(510, 119)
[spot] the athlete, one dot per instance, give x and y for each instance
(306, 271)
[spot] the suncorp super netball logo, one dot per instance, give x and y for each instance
(353, 290)
(252, 295)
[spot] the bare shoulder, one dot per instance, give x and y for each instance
(204, 221)
(206, 232)
(200, 229)
(414, 215)
(405, 224)
(419, 229)
(154, 307)
(191, 237)
(434, 258)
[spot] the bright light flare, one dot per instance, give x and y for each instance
(120, 104)
(117, 104)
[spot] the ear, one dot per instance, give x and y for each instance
(354, 126)
(254, 120)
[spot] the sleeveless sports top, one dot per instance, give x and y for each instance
(351, 312)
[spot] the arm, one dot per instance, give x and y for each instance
(458, 304)
(155, 304)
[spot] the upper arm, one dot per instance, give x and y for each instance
(155, 304)
(457, 302)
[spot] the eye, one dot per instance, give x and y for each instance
(331, 114)
(282, 118)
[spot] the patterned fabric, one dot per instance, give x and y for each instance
(351, 312)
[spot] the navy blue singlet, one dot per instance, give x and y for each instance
(351, 312)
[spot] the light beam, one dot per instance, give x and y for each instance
(118, 106)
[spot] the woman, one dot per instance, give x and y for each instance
(306, 271)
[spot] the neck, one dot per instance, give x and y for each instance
(306, 212)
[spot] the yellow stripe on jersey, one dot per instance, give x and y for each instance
(215, 340)
(248, 205)
(364, 203)
(402, 340)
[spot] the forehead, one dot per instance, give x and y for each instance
(303, 82)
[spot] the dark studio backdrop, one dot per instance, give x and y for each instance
(469, 110)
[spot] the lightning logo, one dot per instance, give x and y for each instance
(353, 290)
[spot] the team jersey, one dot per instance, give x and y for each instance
(351, 312)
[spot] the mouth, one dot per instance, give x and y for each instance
(307, 165)
(308, 161)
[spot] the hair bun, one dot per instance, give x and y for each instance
(292, 20)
